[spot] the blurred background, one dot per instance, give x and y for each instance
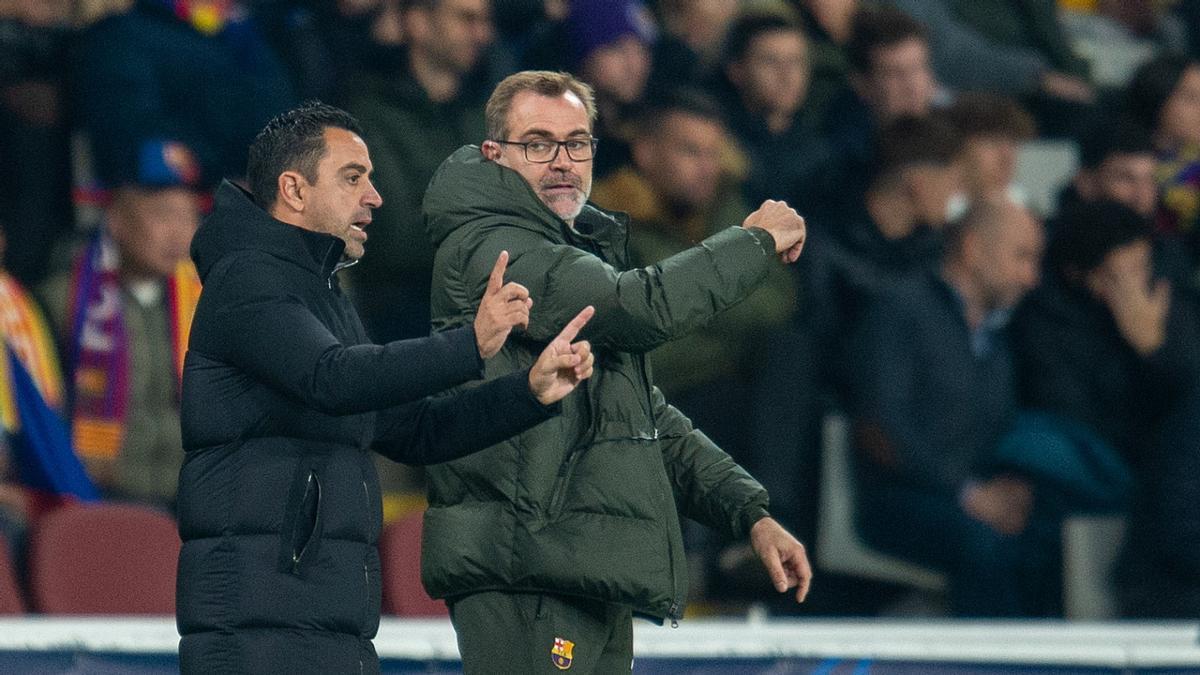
(975, 396)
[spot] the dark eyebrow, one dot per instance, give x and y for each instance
(353, 166)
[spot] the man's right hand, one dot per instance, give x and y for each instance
(784, 224)
(1139, 304)
(503, 308)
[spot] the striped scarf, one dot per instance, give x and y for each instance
(99, 344)
(24, 330)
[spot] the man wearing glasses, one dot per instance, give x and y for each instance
(545, 545)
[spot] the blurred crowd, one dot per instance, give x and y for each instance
(1003, 364)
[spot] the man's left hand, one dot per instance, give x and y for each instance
(563, 364)
(783, 556)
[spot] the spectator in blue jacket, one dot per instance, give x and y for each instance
(177, 84)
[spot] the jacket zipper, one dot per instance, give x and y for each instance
(311, 484)
(673, 610)
(370, 526)
(559, 494)
(560, 482)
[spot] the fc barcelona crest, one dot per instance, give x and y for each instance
(560, 653)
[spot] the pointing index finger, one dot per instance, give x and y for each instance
(572, 329)
(496, 279)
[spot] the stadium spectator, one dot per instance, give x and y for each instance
(993, 128)
(122, 315)
(828, 24)
(1117, 163)
(689, 51)
(891, 232)
(1104, 342)
(1016, 48)
(25, 341)
(934, 392)
(767, 68)
(175, 87)
(323, 44)
(609, 46)
(1164, 97)
(891, 78)
(414, 115)
(35, 178)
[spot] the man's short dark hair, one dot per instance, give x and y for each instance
(980, 113)
(878, 27)
(1152, 86)
(683, 100)
(749, 26)
(1113, 137)
(1089, 231)
(292, 141)
(912, 141)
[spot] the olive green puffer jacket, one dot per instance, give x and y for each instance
(587, 504)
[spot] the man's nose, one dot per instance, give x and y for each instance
(372, 199)
(562, 161)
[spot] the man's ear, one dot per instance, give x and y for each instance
(490, 150)
(291, 191)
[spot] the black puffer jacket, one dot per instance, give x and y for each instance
(279, 507)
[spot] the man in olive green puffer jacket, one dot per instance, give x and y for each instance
(546, 544)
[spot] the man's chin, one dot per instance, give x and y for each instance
(566, 208)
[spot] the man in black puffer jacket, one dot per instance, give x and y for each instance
(279, 507)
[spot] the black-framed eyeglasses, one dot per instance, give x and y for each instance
(544, 151)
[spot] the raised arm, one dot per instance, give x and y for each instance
(448, 427)
(270, 333)
(638, 309)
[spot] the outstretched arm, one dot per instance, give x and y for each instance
(448, 427)
(261, 326)
(637, 309)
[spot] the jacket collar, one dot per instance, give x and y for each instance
(237, 224)
(468, 188)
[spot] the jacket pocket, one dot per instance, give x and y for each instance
(300, 537)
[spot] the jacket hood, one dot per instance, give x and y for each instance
(467, 188)
(238, 224)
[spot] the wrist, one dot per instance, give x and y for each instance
(764, 236)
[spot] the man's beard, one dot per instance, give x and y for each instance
(577, 198)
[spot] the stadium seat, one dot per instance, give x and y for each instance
(11, 601)
(104, 558)
(1091, 545)
(1044, 167)
(400, 559)
(839, 548)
